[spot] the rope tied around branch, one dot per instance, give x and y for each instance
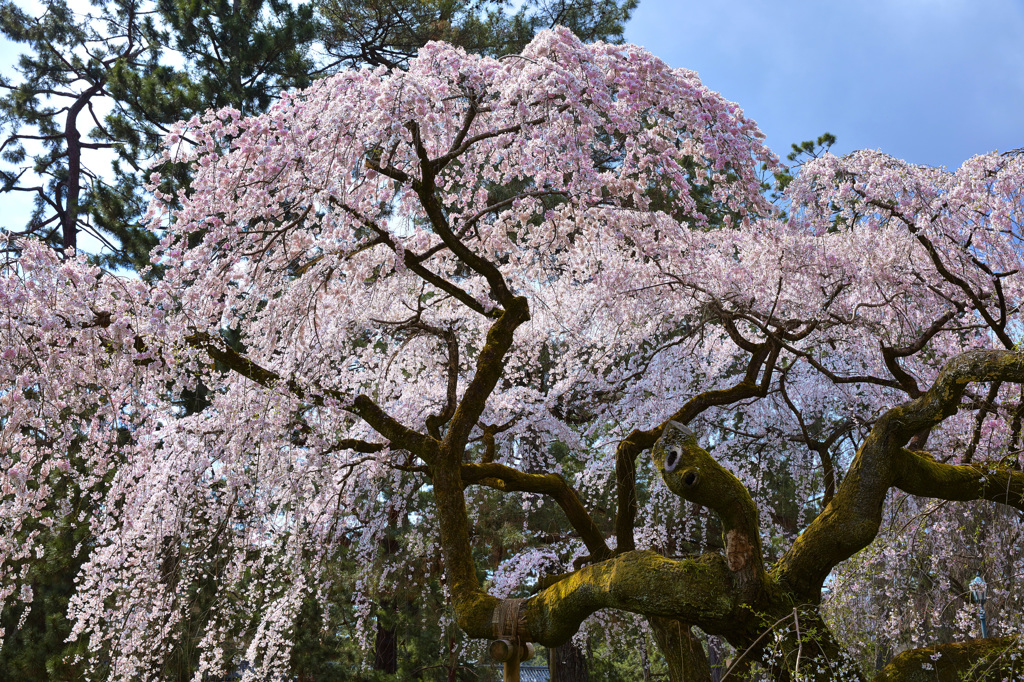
(508, 619)
(509, 626)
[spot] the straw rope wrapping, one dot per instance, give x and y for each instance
(508, 620)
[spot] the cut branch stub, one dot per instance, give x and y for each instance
(693, 474)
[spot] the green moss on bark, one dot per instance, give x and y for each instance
(976, 660)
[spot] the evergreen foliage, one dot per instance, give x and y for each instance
(390, 32)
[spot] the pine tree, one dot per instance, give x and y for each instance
(50, 147)
(390, 32)
(100, 85)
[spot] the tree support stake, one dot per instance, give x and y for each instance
(509, 646)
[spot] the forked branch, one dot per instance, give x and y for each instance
(851, 521)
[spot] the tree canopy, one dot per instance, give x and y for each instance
(96, 89)
(552, 276)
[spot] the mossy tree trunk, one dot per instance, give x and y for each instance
(568, 663)
(683, 651)
(993, 659)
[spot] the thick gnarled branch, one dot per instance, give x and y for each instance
(692, 473)
(694, 591)
(851, 521)
(919, 474)
(763, 356)
(453, 521)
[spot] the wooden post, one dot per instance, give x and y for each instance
(512, 670)
(508, 646)
(511, 654)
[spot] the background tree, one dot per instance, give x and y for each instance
(97, 94)
(390, 32)
(64, 80)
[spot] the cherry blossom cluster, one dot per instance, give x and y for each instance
(332, 274)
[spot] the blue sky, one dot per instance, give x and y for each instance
(930, 81)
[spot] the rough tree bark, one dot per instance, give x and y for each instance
(683, 652)
(567, 663)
